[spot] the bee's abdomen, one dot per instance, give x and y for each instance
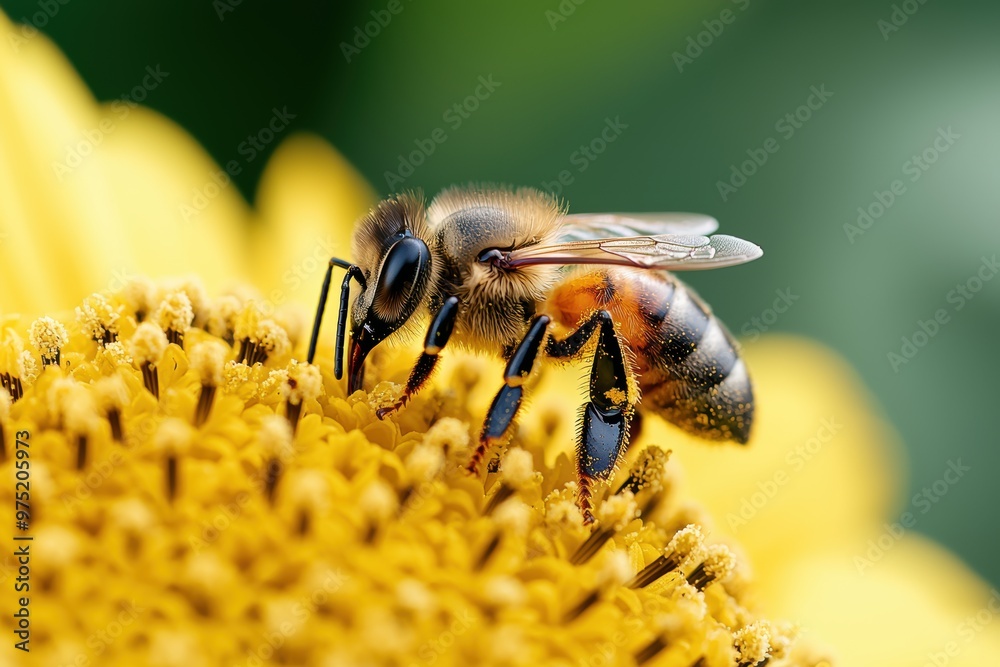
(696, 378)
(689, 368)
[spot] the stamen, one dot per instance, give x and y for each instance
(98, 319)
(753, 644)
(147, 347)
(516, 473)
(79, 413)
(686, 543)
(783, 636)
(650, 650)
(208, 359)
(309, 494)
(647, 471)
(138, 295)
(718, 564)
(377, 502)
(222, 316)
(513, 518)
(111, 394)
(172, 439)
(422, 465)
(448, 434)
(615, 572)
(174, 315)
(276, 439)
(48, 336)
(615, 513)
(304, 384)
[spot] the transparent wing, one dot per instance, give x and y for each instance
(593, 226)
(671, 252)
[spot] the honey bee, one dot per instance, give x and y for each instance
(510, 273)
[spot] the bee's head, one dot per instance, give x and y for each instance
(390, 248)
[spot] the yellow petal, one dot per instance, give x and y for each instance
(917, 605)
(820, 468)
(308, 201)
(90, 193)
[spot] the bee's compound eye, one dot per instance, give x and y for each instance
(402, 270)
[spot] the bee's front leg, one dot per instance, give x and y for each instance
(508, 400)
(437, 337)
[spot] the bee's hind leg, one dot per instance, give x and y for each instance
(604, 428)
(438, 334)
(508, 400)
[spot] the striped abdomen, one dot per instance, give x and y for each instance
(688, 365)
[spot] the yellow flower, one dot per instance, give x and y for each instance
(199, 496)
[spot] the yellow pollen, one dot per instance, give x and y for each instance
(111, 392)
(516, 467)
(686, 542)
(424, 462)
(378, 501)
(617, 510)
(116, 354)
(753, 643)
(139, 294)
(222, 315)
(48, 336)
(276, 437)
(513, 516)
(616, 570)
(615, 395)
(208, 359)
(448, 434)
(719, 561)
(174, 312)
(304, 382)
(173, 437)
(98, 318)
(148, 344)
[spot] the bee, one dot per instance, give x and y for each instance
(509, 272)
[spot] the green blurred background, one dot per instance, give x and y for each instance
(564, 68)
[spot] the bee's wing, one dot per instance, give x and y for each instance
(671, 252)
(592, 226)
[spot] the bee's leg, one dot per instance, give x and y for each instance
(345, 293)
(437, 336)
(505, 406)
(604, 428)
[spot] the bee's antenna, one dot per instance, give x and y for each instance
(345, 294)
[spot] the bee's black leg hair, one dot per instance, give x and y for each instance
(508, 399)
(604, 429)
(345, 294)
(437, 337)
